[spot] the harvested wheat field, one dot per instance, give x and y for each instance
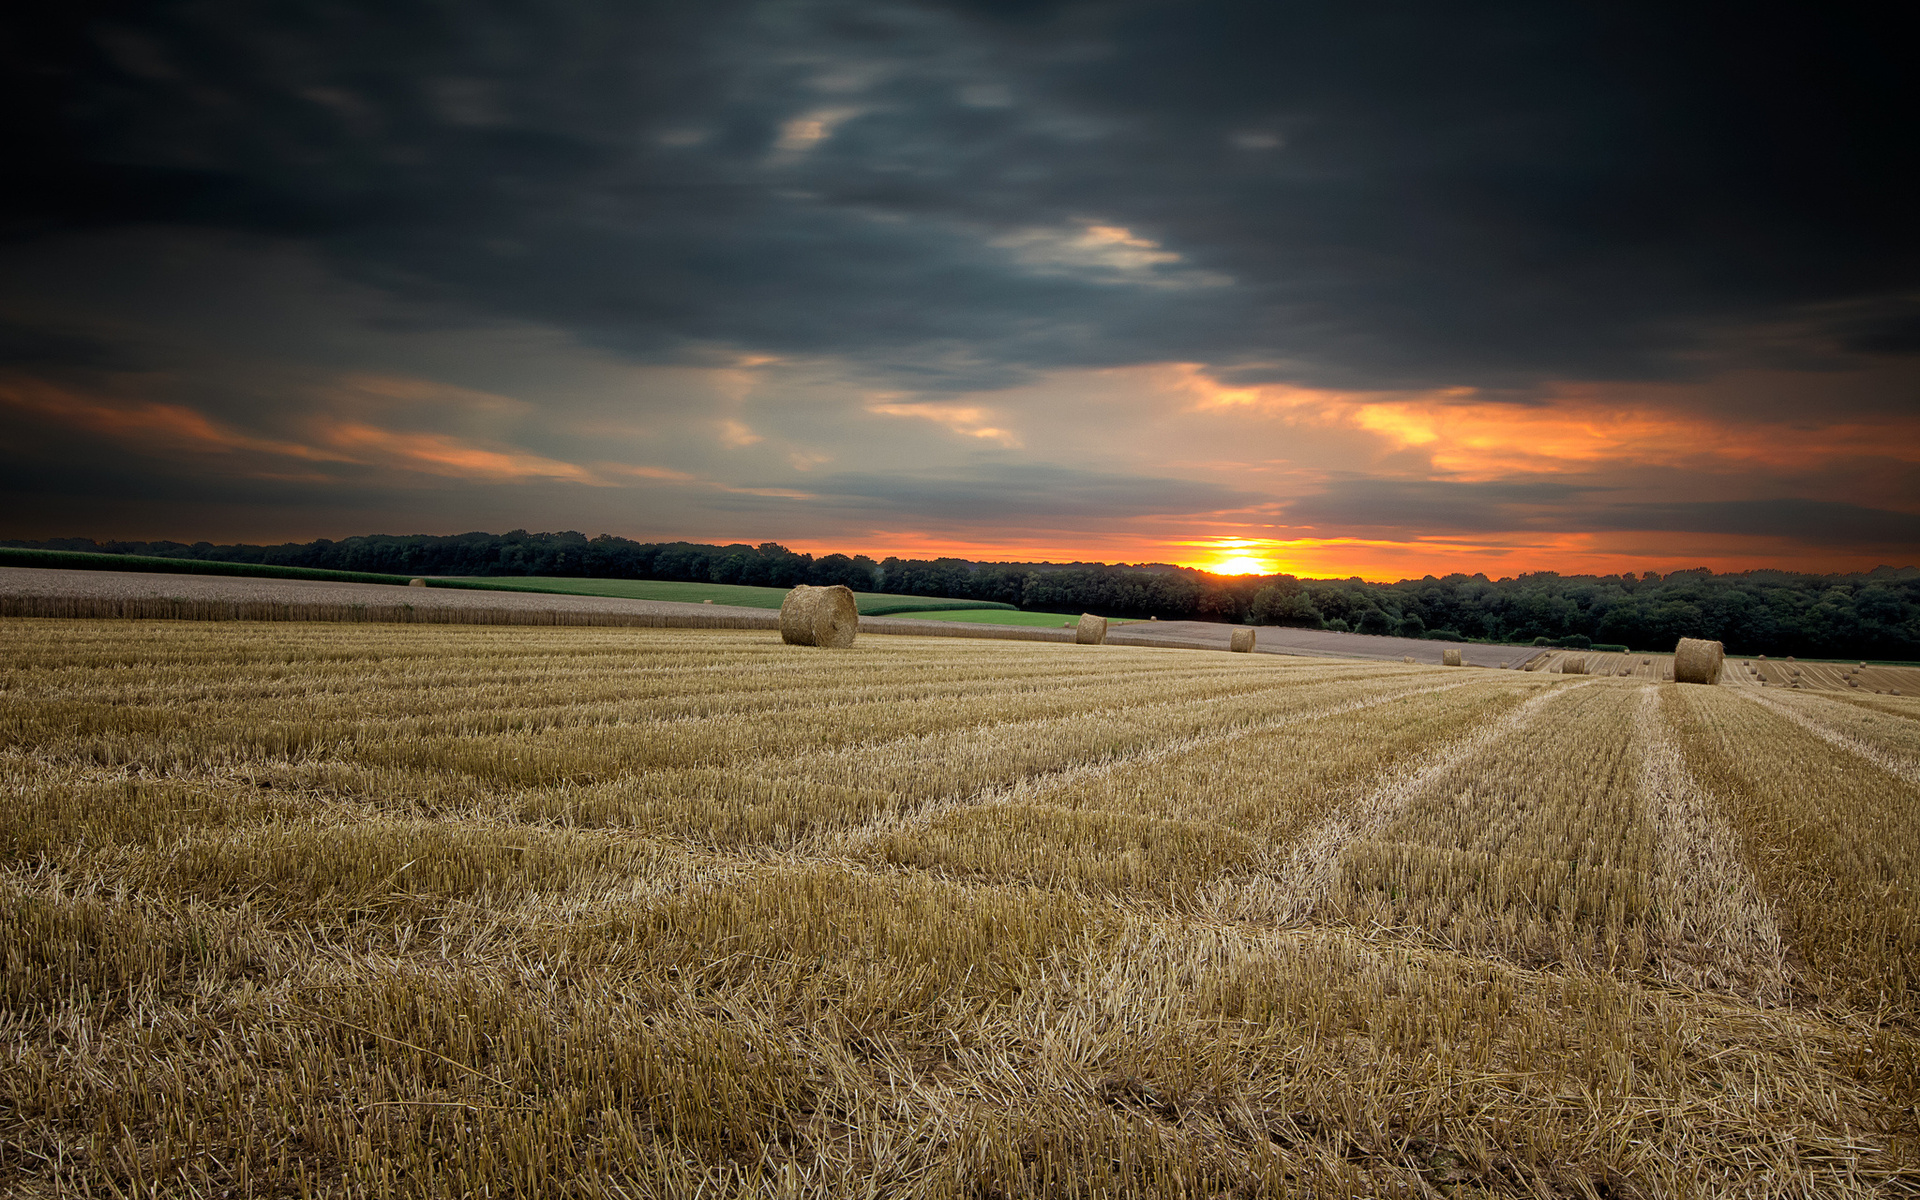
(309, 910)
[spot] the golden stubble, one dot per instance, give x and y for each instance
(309, 910)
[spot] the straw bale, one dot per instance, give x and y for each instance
(1449, 658)
(1574, 664)
(416, 583)
(819, 616)
(1242, 641)
(1408, 658)
(1092, 630)
(1698, 661)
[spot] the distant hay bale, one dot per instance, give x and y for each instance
(1092, 630)
(1242, 641)
(706, 602)
(1449, 658)
(1696, 660)
(416, 583)
(1574, 664)
(819, 616)
(1408, 658)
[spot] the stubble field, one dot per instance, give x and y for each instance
(431, 911)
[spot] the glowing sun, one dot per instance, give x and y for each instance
(1242, 565)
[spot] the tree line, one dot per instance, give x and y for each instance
(1873, 614)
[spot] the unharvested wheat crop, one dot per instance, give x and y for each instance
(337, 910)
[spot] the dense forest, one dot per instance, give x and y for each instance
(1870, 615)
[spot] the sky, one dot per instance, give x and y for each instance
(1359, 289)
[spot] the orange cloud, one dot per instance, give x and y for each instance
(1576, 428)
(153, 424)
(440, 454)
(415, 390)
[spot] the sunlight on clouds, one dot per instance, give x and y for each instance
(415, 390)
(664, 474)
(967, 420)
(735, 434)
(803, 133)
(1109, 246)
(1104, 253)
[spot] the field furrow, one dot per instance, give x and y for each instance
(1169, 819)
(1713, 927)
(1889, 742)
(1833, 838)
(1537, 847)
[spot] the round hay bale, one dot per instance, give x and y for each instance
(1698, 661)
(1242, 641)
(1574, 664)
(706, 602)
(819, 616)
(416, 583)
(1449, 658)
(1092, 630)
(1408, 658)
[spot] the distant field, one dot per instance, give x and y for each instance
(870, 603)
(70, 560)
(1001, 616)
(441, 911)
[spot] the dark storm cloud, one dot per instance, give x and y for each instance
(38, 347)
(1486, 508)
(1362, 195)
(1813, 521)
(1436, 504)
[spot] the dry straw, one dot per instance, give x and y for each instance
(1698, 661)
(1408, 658)
(1242, 641)
(416, 583)
(1575, 664)
(819, 616)
(1092, 630)
(1449, 658)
